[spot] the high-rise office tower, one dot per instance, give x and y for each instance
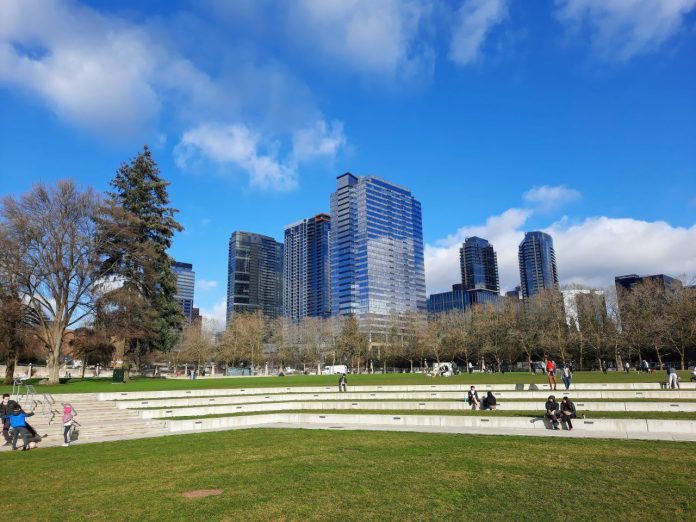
(306, 269)
(479, 265)
(376, 250)
(254, 275)
(537, 263)
(185, 282)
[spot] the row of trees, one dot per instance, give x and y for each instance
(652, 323)
(70, 257)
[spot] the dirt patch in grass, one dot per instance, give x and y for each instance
(201, 493)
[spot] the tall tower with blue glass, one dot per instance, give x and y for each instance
(185, 283)
(306, 269)
(376, 250)
(537, 263)
(479, 265)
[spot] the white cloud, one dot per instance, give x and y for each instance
(119, 78)
(237, 145)
(371, 36)
(91, 71)
(206, 284)
(547, 197)
(473, 22)
(591, 252)
(318, 140)
(215, 317)
(621, 29)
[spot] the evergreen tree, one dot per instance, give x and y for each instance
(137, 228)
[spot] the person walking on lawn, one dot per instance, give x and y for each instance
(343, 383)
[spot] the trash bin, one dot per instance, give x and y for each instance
(118, 375)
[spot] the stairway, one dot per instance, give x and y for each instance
(98, 421)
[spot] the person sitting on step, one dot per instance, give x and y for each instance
(489, 402)
(552, 412)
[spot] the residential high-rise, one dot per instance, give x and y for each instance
(376, 250)
(185, 283)
(306, 269)
(537, 263)
(626, 283)
(479, 265)
(254, 275)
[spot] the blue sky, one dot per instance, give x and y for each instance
(577, 117)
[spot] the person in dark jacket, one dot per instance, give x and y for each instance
(489, 402)
(5, 413)
(18, 423)
(473, 398)
(552, 412)
(343, 383)
(568, 412)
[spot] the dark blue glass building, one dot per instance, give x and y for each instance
(254, 275)
(376, 249)
(537, 263)
(479, 265)
(460, 299)
(306, 270)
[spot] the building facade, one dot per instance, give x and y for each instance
(185, 283)
(376, 250)
(460, 299)
(254, 275)
(306, 269)
(479, 265)
(537, 260)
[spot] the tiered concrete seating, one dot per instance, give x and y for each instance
(97, 421)
(282, 404)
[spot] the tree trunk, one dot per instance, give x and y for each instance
(84, 366)
(681, 358)
(53, 368)
(10, 367)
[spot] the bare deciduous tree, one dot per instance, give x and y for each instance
(53, 229)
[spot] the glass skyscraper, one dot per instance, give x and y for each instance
(306, 269)
(254, 275)
(185, 282)
(479, 265)
(376, 249)
(537, 263)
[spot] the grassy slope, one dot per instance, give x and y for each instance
(329, 475)
(149, 384)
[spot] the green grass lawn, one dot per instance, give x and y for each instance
(90, 385)
(276, 474)
(658, 415)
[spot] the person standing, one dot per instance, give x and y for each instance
(567, 376)
(473, 398)
(551, 373)
(68, 419)
(673, 380)
(552, 411)
(568, 412)
(5, 413)
(646, 366)
(471, 367)
(627, 366)
(343, 383)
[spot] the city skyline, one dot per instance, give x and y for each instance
(575, 118)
